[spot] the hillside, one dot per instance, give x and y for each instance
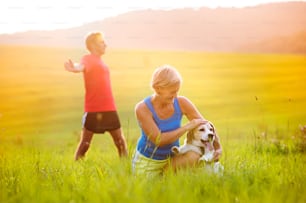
(204, 29)
(295, 43)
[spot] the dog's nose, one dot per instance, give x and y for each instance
(210, 136)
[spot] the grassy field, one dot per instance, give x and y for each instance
(257, 103)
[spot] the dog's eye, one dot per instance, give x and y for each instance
(212, 128)
(202, 129)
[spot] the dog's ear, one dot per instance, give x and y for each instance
(190, 136)
(216, 136)
(213, 127)
(214, 130)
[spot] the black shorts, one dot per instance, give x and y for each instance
(99, 122)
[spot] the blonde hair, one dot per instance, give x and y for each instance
(165, 76)
(91, 39)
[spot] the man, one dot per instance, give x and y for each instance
(100, 109)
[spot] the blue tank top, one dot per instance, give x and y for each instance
(148, 148)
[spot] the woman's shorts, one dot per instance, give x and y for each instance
(142, 165)
(99, 122)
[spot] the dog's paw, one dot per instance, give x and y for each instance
(207, 157)
(201, 159)
(175, 150)
(218, 168)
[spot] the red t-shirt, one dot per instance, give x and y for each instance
(98, 91)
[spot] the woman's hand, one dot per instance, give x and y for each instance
(194, 123)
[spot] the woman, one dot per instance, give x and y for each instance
(159, 117)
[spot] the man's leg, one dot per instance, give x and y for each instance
(84, 144)
(119, 141)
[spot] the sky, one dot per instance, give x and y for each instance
(25, 15)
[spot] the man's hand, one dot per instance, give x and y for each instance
(71, 67)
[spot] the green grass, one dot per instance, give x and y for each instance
(49, 174)
(256, 102)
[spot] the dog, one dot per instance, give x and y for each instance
(200, 140)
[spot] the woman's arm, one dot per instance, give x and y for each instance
(188, 108)
(148, 125)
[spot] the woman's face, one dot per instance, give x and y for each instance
(167, 94)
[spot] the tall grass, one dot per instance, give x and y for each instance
(49, 174)
(256, 102)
